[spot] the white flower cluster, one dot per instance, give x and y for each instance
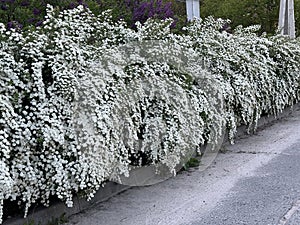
(83, 99)
(260, 75)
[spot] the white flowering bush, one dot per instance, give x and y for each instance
(260, 74)
(39, 78)
(83, 99)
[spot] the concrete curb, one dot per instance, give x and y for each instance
(266, 121)
(44, 215)
(41, 216)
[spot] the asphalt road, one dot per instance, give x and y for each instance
(255, 181)
(267, 197)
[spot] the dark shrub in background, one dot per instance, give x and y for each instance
(21, 14)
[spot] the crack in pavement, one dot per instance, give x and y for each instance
(254, 152)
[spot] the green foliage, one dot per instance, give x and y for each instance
(193, 162)
(31, 222)
(19, 14)
(62, 219)
(58, 221)
(297, 16)
(248, 12)
(24, 13)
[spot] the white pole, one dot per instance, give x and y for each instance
(286, 22)
(192, 9)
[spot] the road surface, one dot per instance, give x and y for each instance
(255, 181)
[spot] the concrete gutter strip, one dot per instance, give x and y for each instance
(41, 216)
(264, 121)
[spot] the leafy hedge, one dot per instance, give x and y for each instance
(21, 14)
(77, 110)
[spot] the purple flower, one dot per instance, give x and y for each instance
(10, 25)
(14, 25)
(36, 11)
(4, 7)
(151, 9)
(72, 5)
(127, 3)
(167, 10)
(25, 3)
(31, 20)
(139, 13)
(39, 23)
(7, 1)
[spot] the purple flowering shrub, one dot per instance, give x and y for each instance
(142, 10)
(18, 14)
(23, 13)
